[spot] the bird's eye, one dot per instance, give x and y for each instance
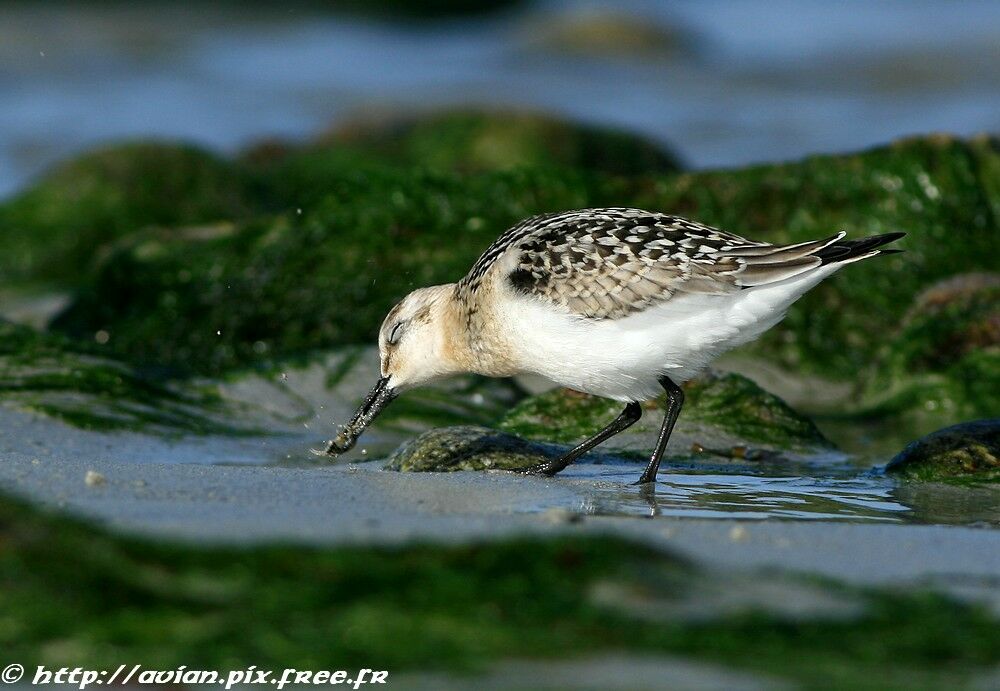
(396, 332)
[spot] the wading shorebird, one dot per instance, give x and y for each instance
(620, 303)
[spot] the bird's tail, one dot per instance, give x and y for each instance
(846, 251)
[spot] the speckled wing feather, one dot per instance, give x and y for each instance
(608, 263)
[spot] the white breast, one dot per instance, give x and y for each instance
(623, 358)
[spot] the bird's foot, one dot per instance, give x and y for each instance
(540, 470)
(547, 469)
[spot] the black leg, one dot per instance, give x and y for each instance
(675, 399)
(632, 412)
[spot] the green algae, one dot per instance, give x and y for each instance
(53, 230)
(942, 364)
(478, 141)
(561, 416)
(729, 404)
(739, 406)
(459, 400)
(923, 401)
(965, 452)
(204, 266)
(941, 190)
(74, 594)
(52, 375)
(286, 285)
(468, 447)
(947, 321)
(353, 235)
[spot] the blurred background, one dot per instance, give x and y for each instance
(206, 210)
(723, 83)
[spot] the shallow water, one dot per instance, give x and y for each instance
(752, 497)
(299, 408)
(829, 494)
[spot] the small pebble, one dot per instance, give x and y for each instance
(94, 478)
(559, 516)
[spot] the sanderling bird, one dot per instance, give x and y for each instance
(620, 303)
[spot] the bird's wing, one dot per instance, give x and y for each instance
(608, 263)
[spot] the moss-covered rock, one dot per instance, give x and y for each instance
(947, 321)
(478, 140)
(923, 401)
(49, 374)
(51, 231)
(294, 283)
(720, 411)
(737, 405)
(367, 233)
(968, 451)
(942, 364)
(725, 415)
(943, 191)
(76, 594)
(468, 447)
(463, 141)
(338, 232)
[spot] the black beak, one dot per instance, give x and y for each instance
(377, 399)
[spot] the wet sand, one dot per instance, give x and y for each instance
(346, 503)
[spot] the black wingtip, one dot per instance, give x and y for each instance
(845, 250)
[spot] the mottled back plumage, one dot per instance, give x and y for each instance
(609, 263)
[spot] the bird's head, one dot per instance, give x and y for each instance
(414, 348)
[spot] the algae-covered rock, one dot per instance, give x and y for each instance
(468, 447)
(921, 401)
(721, 412)
(758, 427)
(53, 229)
(295, 283)
(968, 451)
(947, 321)
(49, 374)
(368, 233)
(739, 406)
(942, 365)
(478, 140)
(943, 191)
(78, 594)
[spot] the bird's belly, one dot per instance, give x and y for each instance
(623, 359)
